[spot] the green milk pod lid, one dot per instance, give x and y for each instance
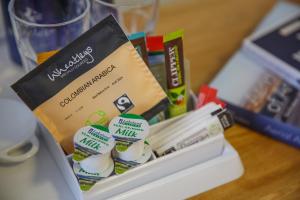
(127, 129)
(92, 140)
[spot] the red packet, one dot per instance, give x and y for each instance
(208, 94)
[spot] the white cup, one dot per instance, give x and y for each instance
(17, 130)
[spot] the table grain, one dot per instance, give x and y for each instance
(214, 30)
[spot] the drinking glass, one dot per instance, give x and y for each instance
(132, 15)
(41, 26)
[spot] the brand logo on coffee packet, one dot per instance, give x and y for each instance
(77, 60)
(123, 103)
(175, 71)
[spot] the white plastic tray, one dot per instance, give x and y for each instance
(160, 172)
(190, 181)
(189, 165)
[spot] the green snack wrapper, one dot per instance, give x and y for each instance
(176, 86)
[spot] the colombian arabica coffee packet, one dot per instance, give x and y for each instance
(100, 72)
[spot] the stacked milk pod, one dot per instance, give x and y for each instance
(131, 150)
(92, 159)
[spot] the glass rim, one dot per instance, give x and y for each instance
(115, 5)
(13, 15)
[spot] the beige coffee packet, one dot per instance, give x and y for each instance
(97, 77)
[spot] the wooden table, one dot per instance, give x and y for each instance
(214, 30)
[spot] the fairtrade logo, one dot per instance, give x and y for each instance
(123, 103)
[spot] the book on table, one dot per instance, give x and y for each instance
(260, 98)
(278, 48)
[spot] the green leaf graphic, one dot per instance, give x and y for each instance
(182, 92)
(174, 95)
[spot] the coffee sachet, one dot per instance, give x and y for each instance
(100, 72)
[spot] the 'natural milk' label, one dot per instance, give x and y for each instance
(127, 129)
(92, 140)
